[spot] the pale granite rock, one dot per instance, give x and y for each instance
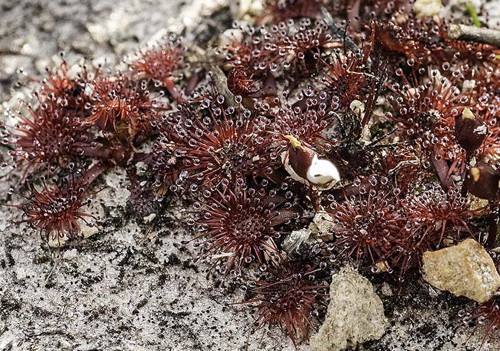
(322, 225)
(427, 8)
(355, 313)
(465, 269)
(70, 254)
(293, 241)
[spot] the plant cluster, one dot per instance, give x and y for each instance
(386, 124)
(389, 228)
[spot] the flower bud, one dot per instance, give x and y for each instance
(304, 165)
(483, 181)
(470, 131)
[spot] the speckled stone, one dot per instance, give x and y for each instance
(465, 269)
(355, 313)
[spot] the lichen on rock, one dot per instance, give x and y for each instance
(355, 313)
(465, 269)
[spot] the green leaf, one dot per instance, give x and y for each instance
(473, 14)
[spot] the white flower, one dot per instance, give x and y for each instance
(304, 165)
(322, 173)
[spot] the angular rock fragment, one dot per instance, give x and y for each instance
(427, 8)
(355, 313)
(465, 269)
(295, 239)
(322, 226)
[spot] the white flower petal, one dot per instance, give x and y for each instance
(322, 172)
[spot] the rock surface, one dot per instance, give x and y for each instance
(296, 238)
(355, 313)
(465, 269)
(322, 225)
(427, 8)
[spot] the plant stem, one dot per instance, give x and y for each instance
(473, 14)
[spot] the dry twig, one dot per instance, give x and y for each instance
(475, 34)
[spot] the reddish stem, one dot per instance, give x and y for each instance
(172, 89)
(95, 171)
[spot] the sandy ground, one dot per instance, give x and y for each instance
(131, 286)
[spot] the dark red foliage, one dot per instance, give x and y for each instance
(416, 40)
(58, 82)
(489, 112)
(55, 211)
(486, 80)
(241, 48)
(50, 134)
(472, 54)
(381, 224)
(68, 88)
(347, 78)
(423, 41)
(239, 225)
(122, 106)
(69, 115)
(373, 89)
(407, 164)
(438, 213)
(430, 220)
(308, 120)
(302, 48)
(213, 143)
(360, 12)
(425, 112)
(294, 47)
(488, 315)
(282, 10)
(242, 83)
(365, 224)
(287, 298)
(162, 63)
(430, 105)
